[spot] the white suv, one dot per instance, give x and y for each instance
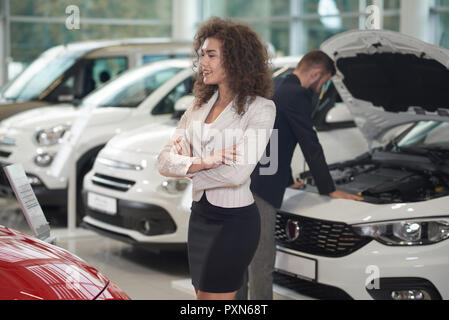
(393, 245)
(141, 96)
(126, 197)
(67, 73)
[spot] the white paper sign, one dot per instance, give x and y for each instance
(28, 201)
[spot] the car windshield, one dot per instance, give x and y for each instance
(426, 135)
(37, 77)
(130, 89)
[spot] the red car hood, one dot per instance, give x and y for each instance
(33, 269)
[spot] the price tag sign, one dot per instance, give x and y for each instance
(28, 201)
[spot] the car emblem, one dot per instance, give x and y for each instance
(292, 230)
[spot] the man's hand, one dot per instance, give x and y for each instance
(297, 185)
(343, 195)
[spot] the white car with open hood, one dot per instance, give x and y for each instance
(150, 210)
(393, 245)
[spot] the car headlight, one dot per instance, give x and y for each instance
(121, 165)
(174, 186)
(33, 180)
(51, 136)
(406, 233)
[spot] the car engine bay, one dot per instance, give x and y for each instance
(385, 177)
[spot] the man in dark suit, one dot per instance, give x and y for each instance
(293, 124)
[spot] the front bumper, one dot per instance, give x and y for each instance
(122, 235)
(137, 223)
(374, 266)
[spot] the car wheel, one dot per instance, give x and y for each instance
(84, 165)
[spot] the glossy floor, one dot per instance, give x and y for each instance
(141, 274)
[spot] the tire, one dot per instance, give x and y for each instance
(83, 166)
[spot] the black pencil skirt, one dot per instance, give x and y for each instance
(221, 244)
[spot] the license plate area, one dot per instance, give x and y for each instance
(296, 265)
(101, 203)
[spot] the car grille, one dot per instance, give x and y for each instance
(112, 182)
(3, 179)
(309, 288)
(4, 154)
(319, 237)
(135, 216)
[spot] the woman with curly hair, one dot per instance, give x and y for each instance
(218, 142)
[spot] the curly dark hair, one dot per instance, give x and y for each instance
(245, 59)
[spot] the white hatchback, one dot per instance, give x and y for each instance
(147, 209)
(67, 73)
(393, 245)
(136, 98)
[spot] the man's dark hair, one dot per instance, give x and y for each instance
(318, 59)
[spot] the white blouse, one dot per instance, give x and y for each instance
(227, 186)
(205, 131)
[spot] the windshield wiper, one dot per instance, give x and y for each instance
(415, 151)
(438, 148)
(127, 105)
(438, 155)
(8, 99)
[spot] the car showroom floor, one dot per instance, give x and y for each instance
(141, 274)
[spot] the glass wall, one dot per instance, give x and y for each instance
(291, 26)
(37, 25)
(391, 14)
(298, 26)
(441, 14)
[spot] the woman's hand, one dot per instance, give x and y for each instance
(225, 156)
(182, 148)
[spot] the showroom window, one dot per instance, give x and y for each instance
(297, 26)
(441, 13)
(38, 25)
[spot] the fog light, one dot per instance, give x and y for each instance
(404, 289)
(43, 160)
(174, 186)
(410, 295)
(146, 227)
(34, 181)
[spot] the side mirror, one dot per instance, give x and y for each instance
(339, 113)
(182, 105)
(76, 102)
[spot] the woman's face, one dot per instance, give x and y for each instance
(211, 62)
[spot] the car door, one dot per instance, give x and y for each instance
(85, 76)
(167, 104)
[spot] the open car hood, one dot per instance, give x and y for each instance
(387, 79)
